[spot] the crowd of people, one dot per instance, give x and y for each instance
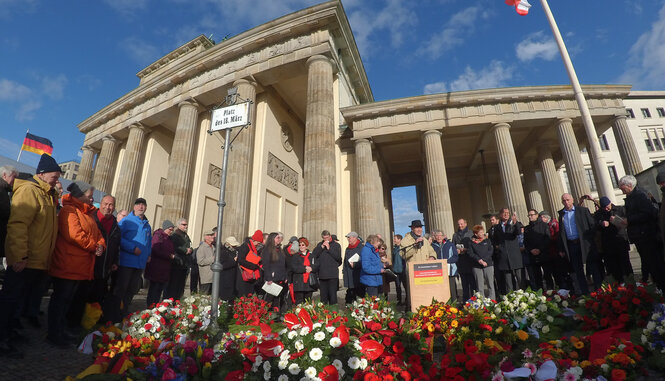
(96, 256)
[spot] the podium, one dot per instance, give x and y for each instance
(428, 280)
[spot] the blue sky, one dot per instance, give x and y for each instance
(61, 61)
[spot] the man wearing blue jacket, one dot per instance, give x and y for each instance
(135, 245)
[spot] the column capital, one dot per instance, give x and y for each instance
(362, 140)
(89, 148)
(496, 126)
(110, 138)
(139, 126)
(319, 57)
(430, 132)
(189, 102)
(618, 118)
(244, 81)
(563, 120)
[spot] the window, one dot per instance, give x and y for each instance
(76, 167)
(74, 176)
(661, 111)
(653, 134)
(603, 143)
(590, 179)
(646, 113)
(647, 141)
(613, 176)
(631, 114)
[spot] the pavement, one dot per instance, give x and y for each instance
(43, 361)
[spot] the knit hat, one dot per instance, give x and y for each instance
(47, 164)
(78, 188)
(167, 224)
(258, 236)
(293, 239)
(604, 201)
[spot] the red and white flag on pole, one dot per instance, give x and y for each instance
(521, 6)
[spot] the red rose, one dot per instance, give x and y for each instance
(236, 375)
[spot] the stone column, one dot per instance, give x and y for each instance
(627, 149)
(237, 197)
(440, 211)
(533, 198)
(366, 193)
(572, 157)
(551, 178)
(176, 189)
(105, 164)
(319, 209)
(510, 173)
(130, 166)
(85, 169)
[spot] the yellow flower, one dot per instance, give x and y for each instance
(585, 363)
(453, 310)
(488, 342)
(438, 313)
(454, 324)
(522, 335)
(499, 330)
(430, 327)
(426, 313)
(578, 344)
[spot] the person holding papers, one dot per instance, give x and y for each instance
(351, 268)
(274, 272)
(303, 265)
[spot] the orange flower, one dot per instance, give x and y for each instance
(522, 335)
(618, 375)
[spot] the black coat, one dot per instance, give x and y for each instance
(329, 260)
(507, 245)
(464, 263)
(274, 271)
(642, 216)
(612, 237)
(181, 243)
(5, 204)
(109, 258)
(482, 250)
(537, 236)
(586, 227)
(228, 257)
(352, 274)
(297, 268)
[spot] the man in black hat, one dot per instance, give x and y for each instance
(31, 233)
(414, 245)
(611, 222)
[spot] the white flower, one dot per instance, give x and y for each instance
(283, 377)
(644, 339)
(316, 354)
(310, 372)
(284, 355)
(605, 367)
(299, 345)
(363, 363)
(330, 329)
(266, 375)
(258, 360)
(353, 362)
(319, 336)
(651, 325)
(549, 318)
(337, 364)
(283, 331)
(335, 342)
(294, 369)
(282, 364)
(546, 329)
(292, 335)
(316, 325)
(304, 331)
(266, 366)
(564, 303)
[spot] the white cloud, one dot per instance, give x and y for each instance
(10, 90)
(9, 148)
(646, 69)
(496, 74)
(140, 51)
(89, 81)
(54, 87)
(395, 18)
(127, 7)
(240, 14)
(459, 27)
(25, 99)
(26, 110)
(537, 45)
(7, 7)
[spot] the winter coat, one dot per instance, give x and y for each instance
(416, 253)
(135, 232)
(352, 274)
(613, 237)
(464, 263)
(537, 236)
(370, 274)
(33, 224)
(243, 251)
(297, 268)
(205, 257)
(507, 246)
(642, 216)
(447, 251)
(5, 204)
(274, 271)
(159, 267)
(661, 215)
(78, 238)
(181, 243)
(105, 262)
(585, 229)
(229, 256)
(481, 250)
(329, 260)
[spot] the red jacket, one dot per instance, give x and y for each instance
(78, 238)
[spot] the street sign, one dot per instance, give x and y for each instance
(230, 116)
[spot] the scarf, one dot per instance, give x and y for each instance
(106, 222)
(306, 262)
(354, 246)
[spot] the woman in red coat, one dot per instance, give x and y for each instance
(78, 242)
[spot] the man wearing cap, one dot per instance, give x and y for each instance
(31, 234)
(205, 257)
(249, 261)
(182, 261)
(229, 259)
(329, 255)
(351, 269)
(611, 222)
(642, 229)
(135, 247)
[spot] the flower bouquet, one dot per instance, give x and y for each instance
(653, 337)
(529, 311)
(251, 310)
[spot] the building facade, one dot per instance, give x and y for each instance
(320, 153)
(70, 169)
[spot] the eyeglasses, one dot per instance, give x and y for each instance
(532, 214)
(382, 249)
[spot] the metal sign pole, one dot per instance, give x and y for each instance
(217, 266)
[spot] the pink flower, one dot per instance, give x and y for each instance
(527, 353)
(569, 376)
(169, 374)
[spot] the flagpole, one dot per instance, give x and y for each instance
(21, 150)
(598, 163)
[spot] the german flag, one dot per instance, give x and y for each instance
(37, 144)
